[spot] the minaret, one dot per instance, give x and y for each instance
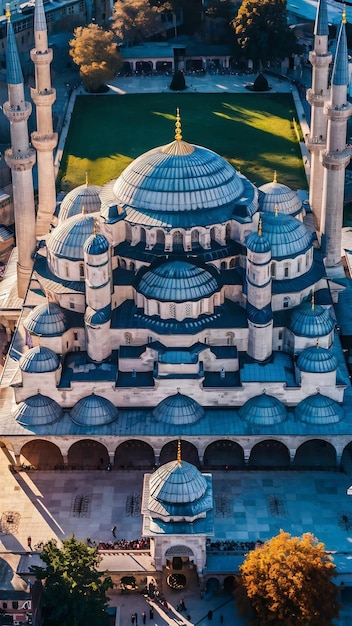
(20, 158)
(259, 313)
(320, 59)
(336, 157)
(43, 139)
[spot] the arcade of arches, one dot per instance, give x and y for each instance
(89, 454)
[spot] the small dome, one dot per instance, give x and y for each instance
(93, 411)
(288, 236)
(177, 281)
(263, 410)
(39, 360)
(177, 482)
(96, 244)
(46, 320)
(178, 410)
(257, 243)
(275, 196)
(102, 316)
(68, 239)
(38, 410)
(311, 321)
(83, 198)
(317, 360)
(319, 409)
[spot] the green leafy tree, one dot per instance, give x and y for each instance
(288, 581)
(262, 31)
(74, 591)
(96, 53)
(135, 21)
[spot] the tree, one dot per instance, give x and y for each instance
(178, 82)
(288, 581)
(94, 50)
(74, 591)
(262, 31)
(134, 21)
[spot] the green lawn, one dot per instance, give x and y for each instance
(252, 131)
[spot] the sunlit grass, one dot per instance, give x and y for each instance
(254, 132)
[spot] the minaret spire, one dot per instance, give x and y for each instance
(20, 158)
(43, 139)
(320, 59)
(336, 157)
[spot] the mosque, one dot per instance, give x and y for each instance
(178, 303)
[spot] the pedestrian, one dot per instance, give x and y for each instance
(113, 530)
(151, 613)
(210, 614)
(221, 618)
(29, 542)
(133, 619)
(144, 617)
(136, 618)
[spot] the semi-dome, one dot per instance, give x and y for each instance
(82, 198)
(47, 320)
(178, 410)
(177, 281)
(96, 244)
(67, 240)
(275, 196)
(39, 360)
(317, 360)
(101, 316)
(38, 410)
(93, 410)
(308, 320)
(319, 409)
(263, 410)
(177, 482)
(288, 236)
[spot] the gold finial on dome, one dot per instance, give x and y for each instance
(344, 15)
(95, 231)
(8, 11)
(260, 227)
(87, 183)
(275, 177)
(276, 210)
(83, 209)
(179, 459)
(178, 131)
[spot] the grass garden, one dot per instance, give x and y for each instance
(254, 132)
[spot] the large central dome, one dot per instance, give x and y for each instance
(178, 177)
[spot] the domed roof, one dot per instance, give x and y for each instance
(178, 177)
(177, 281)
(317, 360)
(257, 242)
(178, 410)
(82, 198)
(96, 318)
(263, 410)
(177, 482)
(46, 319)
(38, 410)
(308, 320)
(93, 411)
(39, 360)
(68, 239)
(288, 236)
(275, 196)
(319, 409)
(96, 244)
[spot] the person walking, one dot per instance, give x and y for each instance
(151, 613)
(29, 542)
(113, 530)
(144, 617)
(133, 619)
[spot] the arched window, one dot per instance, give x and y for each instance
(132, 266)
(81, 270)
(188, 309)
(128, 232)
(286, 302)
(177, 238)
(223, 265)
(273, 269)
(172, 310)
(128, 338)
(286, 271)
(229, 338)
(195, 236)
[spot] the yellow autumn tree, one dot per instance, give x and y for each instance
(288, 581)
(96, 53)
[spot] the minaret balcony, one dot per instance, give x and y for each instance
(20, 162)
(338, 113)
(41, 58)
(320, 60)
(317, 99)
(337, 160)
(17, 113)
(44, 143)
(45, 97)
(315, 144)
